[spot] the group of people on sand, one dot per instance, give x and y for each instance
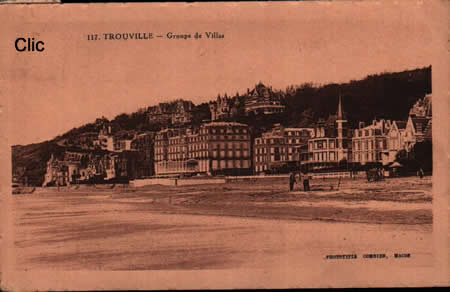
(298, 177)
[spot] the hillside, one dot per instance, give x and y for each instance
(31, 160)
(385, 95)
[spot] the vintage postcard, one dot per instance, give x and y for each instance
(224, 145)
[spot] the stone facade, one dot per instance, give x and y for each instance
(330, 143)
(396, 141)
(370, 142)
(278, 147)
(212, 148)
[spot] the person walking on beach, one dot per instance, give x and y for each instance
(305, 178)
(420, 173)
(291, 181)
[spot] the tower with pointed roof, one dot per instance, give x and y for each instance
(340, 121)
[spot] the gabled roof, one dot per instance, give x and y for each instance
(261, 90)
(401, 125)
(420, 123)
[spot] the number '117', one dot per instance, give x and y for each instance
(92, 37)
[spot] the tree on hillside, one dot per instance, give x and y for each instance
(201, 113)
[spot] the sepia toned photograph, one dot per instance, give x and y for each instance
(283, 145)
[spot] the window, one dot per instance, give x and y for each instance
(332, 156)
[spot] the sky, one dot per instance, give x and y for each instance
(75, 81)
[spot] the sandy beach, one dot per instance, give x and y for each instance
(239, 224)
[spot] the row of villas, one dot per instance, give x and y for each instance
(378, 142)
(226, 147)
(113, 159)
(219, 147)
(79, 167)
